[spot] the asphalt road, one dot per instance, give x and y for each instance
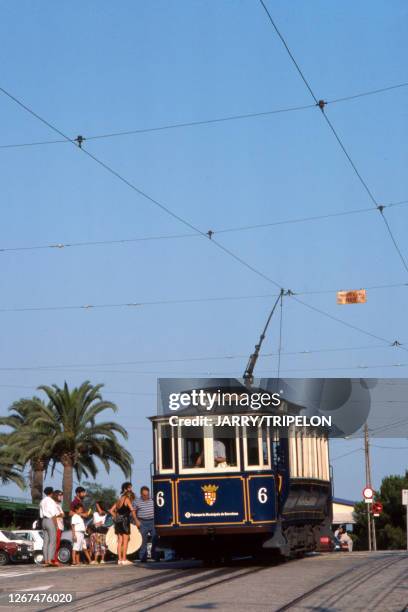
(336, 582)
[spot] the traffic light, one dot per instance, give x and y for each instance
(377, 508)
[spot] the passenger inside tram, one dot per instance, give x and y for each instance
(224, 449)
(220, 455)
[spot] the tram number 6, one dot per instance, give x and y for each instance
(262, 495)
(160, 499)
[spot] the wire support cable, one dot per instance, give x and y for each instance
(212, 121)
(170, 212)
(321, 105)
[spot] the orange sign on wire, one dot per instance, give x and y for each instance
(355, 296)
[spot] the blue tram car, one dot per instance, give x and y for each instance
(223, 490)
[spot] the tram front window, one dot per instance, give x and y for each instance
(225, 447)
(193, 447)
(252, 446)
(257, 447)
(166, 448)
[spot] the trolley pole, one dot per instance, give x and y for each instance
(372, 540)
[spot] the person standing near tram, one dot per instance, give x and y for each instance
(144, 507)
(121, 512)
(48, 515)
(57, 497)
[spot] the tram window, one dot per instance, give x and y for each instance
(256, 447)
(225, 447)
(252, 444)
(265, 449)
(166, 451)
(276, 448)
(299, 453)
(192, 447)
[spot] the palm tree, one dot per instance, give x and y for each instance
(74, 437)
(21, 438)
(10, 469)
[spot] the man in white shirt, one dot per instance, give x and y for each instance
(48, 514)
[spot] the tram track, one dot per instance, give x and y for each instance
(144, 581)
(353, 584)
(228, 577)
(213, 577)
(167, 587)
(168, 580)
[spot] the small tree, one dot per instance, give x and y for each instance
(97, 492)
(76, 437)
(11, 470)
(391, 524)
(23, 437)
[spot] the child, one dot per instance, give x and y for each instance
(98, 535)
(78, 536)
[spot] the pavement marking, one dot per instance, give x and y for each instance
(38, 588)
(30, 573)
(13, 574)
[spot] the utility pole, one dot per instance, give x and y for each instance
(372, 539)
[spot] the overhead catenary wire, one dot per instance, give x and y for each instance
(211, 121)
(169, 302)
(195, 358)
(212, 373)
(34, 387)
(333, 318)
(167, 210)
(61, 245)
(321, 105)
(356, 450)
(142, 193)
(389, 447)
(389, 425)
(161, 128)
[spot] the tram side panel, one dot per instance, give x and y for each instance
(215, 500)
(164, 502)
(305, 505)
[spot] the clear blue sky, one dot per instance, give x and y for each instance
(98, 67)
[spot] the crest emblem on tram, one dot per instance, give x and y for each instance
(210, 494)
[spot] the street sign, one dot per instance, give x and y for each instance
(377, 508)
(354, 296)
(368, 494)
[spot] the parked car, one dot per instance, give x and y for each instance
(332, 544)
(327, 544)
(13, 552)
(65, 549)
(35, 537)
(340, 545)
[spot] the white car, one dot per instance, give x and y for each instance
(32, 536)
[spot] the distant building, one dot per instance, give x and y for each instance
(17, 512)
(343, 511)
